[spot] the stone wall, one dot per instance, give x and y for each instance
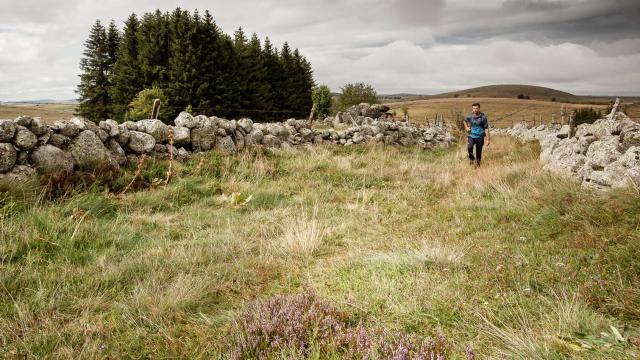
(28, 145)
(601, 155)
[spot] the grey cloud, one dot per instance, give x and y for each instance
(548, 22)
(400, 45)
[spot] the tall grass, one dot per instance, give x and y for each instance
(400, 242)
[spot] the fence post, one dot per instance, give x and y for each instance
(313, 110)
(155, 111)
(563, 112)
(572, 124)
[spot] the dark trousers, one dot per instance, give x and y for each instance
(478, 144)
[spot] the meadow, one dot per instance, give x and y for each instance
(501, 112)
(48, 112)
(506, 261)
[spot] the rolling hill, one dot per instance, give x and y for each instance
(511, 91)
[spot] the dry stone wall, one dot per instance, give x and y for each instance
(28, 145)
(601, 155)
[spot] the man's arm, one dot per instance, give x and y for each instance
(467, 124)
(486, 130)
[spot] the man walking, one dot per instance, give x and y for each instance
(477, 127)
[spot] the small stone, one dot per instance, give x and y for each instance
(102, 135)
(130, 125)
(239, 140)
(38, 127)
(7, 130)
(59, 140)
(52, 161)
(23, 158)
(69, 129)
(185, 119)
(159, 148)
(181, 135)
(8, 157)
(141, 143)
(89, 152)
(24, 139)
(110, 126)
(44, 138)
(226, 145)
(204, 138)
(117, 152)
(271, 141)
(23, 120)
(246, 125)
(18, 175)
(155, 128)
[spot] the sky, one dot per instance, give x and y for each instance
(426, 47)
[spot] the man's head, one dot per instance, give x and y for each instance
(475, 108)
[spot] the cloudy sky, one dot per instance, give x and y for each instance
(428, 46)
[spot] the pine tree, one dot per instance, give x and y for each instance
(258, 90)
(276, 78)
(127, 78)
(207, 40)
(93, 89)
(240, 82)
(113, 42)
(153, 49)
(302, 84)
(182, 62)
(189, 59)
(272, 77)
(285, 101)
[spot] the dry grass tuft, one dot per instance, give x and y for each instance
(302, 234)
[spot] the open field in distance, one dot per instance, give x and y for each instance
(500, 111)
(48, 112)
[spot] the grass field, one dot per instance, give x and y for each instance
(507, 259)
(500, 111)
(48, 112)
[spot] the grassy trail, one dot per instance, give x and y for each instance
(507, 259)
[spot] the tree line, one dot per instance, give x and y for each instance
(188, 59)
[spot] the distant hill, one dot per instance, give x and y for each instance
(40, 101)
(511, 91)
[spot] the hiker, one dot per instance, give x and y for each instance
(477, 127)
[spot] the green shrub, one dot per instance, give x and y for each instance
(321, 97)
(354, 94)
(141, 106)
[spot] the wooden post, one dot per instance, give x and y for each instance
(572, 124)
(313, 110)
(563, 112)
(614, 109)
(540, 119)
(155, 111)
(553, 118)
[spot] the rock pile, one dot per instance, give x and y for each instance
(28, 144)
(363, 114)
(523, 132)
(601, 155)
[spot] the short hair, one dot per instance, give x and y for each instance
(476, 104)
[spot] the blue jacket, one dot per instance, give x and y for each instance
(478, 124)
